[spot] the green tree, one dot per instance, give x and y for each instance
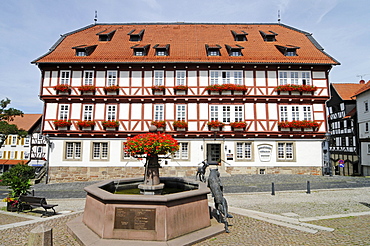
(18, 179)
(7, 115)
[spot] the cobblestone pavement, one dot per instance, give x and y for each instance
(326, 199)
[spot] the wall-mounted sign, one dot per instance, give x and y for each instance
(264, 152)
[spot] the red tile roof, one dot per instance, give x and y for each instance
(187, 43)
(365, 87)
(347, 90)
(26, 122)
(11, 162)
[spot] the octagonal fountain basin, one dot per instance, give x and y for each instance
(181, 210)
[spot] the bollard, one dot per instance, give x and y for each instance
(33, 192)
(273, 189)
(308, 188)
(42, 235)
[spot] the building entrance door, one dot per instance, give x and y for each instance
(213, 152)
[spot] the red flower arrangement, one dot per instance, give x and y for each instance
(86, 123)
(215, 124)
(180, 124)
(298, 124)
(86, 88)
(300, 88)
(110, 124)
(111, 88)
(180, 88)
(240, 124)
(62, 123)
(151, 143)
(226, 87)
(159, 123)
(158, 88)
(62, 88)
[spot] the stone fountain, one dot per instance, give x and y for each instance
(149, 218)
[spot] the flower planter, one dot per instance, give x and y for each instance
(111, 128)
(283, 93)
(226, 92)
(158, 92)
(238, 129)
(238, 92)
(310, 129)
(308, 93)
(179, 129)
(11, 207)
(296, 129)
(214, 92)
(160, 129)
(180, 92)
(215, 129)
(295, 93)
(285, 129)
(64, 92)
(89, 128)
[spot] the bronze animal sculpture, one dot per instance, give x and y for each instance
(201, 172)
(214, 183)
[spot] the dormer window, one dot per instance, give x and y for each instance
(234, 50)
(161, 50)
(269, 36)
(239, 36)
(213, 50)
(105, 35)
(288, 50)
(136, 36)
(84, 50)
(140, 50)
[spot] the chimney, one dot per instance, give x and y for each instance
(362, 82)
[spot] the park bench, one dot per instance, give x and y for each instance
(35, 202)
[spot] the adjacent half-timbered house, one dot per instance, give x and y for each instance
(265, 84)
(342, 121)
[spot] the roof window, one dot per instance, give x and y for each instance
(105, 35)
(213, 50)
(270, 36)
(288, 50)
(84, 50)
(140, 50)
(239, 36)
(234, 50)
(162, 50)
(136, 36)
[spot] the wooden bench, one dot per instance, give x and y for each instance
(35, 202)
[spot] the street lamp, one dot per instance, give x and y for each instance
(327, 169)
(47, 139)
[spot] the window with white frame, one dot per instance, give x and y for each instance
(181, 112)
(366, 127)
(180, 77)
(111, 78)
(158, 77)
(366, 106)
(63, 112)
(368, 149)
(73, 150)
(285, 152)
(294, 77)
(226, 77)
(295, 112)
(243, 151)
(125, 154)
(88, 77)
(100, 151)
(226, 113)
(14, 140)
(111, 112)
(88, 112)
(158, 112)
(183, 152)
(65, 77)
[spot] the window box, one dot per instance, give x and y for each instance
(181, 90)
(158, 90)
(238, 126)
(215, 125)
(110, 125)
(226, 92)
(239, 92)
(298, 125)
(87, 89)
(86, 125)
(62, 125)
(62, 89)
(294, 88)
(180, 125)
(226, 89)
(161, 125)
(111, 90)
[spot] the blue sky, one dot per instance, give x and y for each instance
(29, 28)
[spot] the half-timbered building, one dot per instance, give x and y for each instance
(266, 84)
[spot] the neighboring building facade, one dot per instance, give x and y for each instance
(24, 150)
(342, 122)
(163, 72)
(363, 109)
